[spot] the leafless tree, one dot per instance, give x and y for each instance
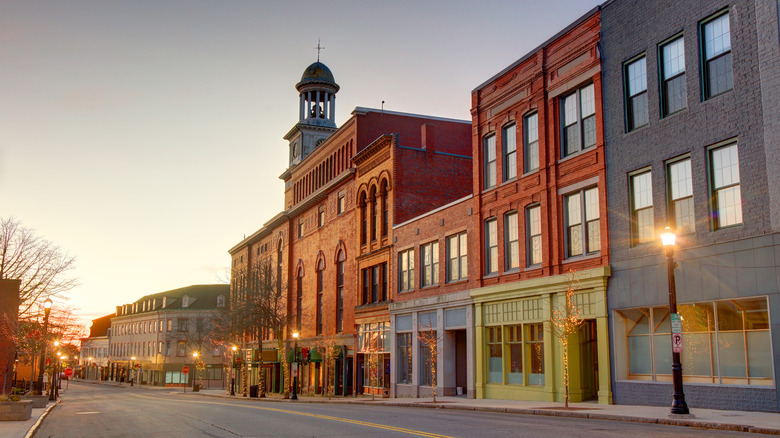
(328, 348)
(42, 266)
(429, 340)
(565, 322)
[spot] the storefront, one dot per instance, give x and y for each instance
(373, 368)
(519, 356)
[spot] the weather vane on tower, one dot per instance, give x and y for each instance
(319, 47)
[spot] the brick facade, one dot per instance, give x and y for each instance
(9, 308)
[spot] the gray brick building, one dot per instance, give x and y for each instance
(692, 126)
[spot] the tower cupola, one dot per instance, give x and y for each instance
(317, 90)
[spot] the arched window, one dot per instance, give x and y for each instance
(363, 218)
(320, 273)
(385, 208)
(374, 210)
(340, 292)
(299, 300)
(279, 267)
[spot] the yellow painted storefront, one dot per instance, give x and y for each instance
(518, 357)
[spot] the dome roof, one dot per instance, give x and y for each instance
(317, 73)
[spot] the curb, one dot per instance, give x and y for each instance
(37, 425)
(540, 412)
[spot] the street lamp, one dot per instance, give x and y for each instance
(295, 367)
(46, 311)
(89, 368)
(233, 372)
(195, 374)
(131, 371)
(679, 407)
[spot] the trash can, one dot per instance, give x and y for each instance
(253, 390)
(195, 388)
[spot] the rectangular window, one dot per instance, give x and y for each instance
(515, 349)
(636, 93)
(511, 242)
(342, 203)
(375, 278)
(495, 355)
(181, 349)
(681, 196)
(340, 296)
(406, 270)
(534, 232)
(426, 359)
(457, 257)
(715, 38)
(578, 117)
(182, 324)
(642, 221)
(404, 346)
(509, 140)
(726, 195)
(725, 342)
(430, 260)
(673, 90)
(489, 146)
(300, 227)
(531, 142)
(535, 353)
(583, 234)
(321, 216)
(491, 246)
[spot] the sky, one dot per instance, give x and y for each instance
(145, 137)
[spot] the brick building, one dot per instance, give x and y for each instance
(692, 109)
(540, 201)
(9, 311)
(436, 246)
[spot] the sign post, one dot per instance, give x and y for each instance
(677, 342)
(185, 369)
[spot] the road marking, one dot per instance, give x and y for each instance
(86, 413)
(324, 417)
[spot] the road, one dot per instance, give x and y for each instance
(89, 410)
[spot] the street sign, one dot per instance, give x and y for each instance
(185, 369)
(676, 342)
(676, 323)
(68, 372)
(295, 369)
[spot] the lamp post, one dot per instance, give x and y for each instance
(130, 371)
(89, 368)
(195, 374)
(295, 367)
(42, 364)
(233, 372)
(679, 407)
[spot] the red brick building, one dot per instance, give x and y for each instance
(341, 181)
(541, 207)
(9, 310)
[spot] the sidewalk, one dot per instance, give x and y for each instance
(755, 422)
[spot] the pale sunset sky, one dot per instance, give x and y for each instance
(145, 137)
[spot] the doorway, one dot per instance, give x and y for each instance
(589, 365)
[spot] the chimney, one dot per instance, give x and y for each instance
(428, 138)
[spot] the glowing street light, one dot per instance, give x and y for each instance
(46, 311)
(233, 372)
(679, 407)
(295, 367)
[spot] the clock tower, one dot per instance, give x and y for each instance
(317, 111)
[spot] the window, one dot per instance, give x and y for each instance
(578, 114)
(300, 227)
(321, 216)
(385, 213)
(170, 324)
(320, 272)
(363, 219)
(636, 93)
(299, 300)
(642, 222)
(221, 301)
(716, 55)
(180, 349)
(457, 257)
(489, 145)
(426, 359)
(535, 352)
(491, 246)
(511, 242)
(342, 203)
(406, 270)
(495, 355)
(673, 91)
(531, 142)
(182, 324)
(375, 284)
(534, 232)
(725, 342)
(509, 140)
(430, 261)
(681, 196)
(514, 342)
(726, 194)
(340, 293)
(582, 223)
(404, 346)
(374, 215)
(168, 348)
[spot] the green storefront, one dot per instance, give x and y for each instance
(518, 355)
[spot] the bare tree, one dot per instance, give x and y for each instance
(329, 350)
(42, 266)
(429, 340)
(258, 309)
(565, 322)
